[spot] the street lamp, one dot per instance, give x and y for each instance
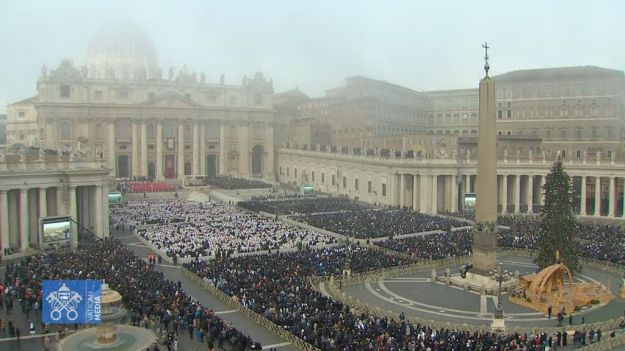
(500, 276)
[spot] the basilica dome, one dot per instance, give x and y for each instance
(121, 51)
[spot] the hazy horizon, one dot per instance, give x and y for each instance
(426, 45)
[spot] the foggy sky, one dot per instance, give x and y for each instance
(315, 45)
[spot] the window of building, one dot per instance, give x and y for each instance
(509, 114)
(499, 132)
(122, 95)
(563, 133)
(369, 187)
(187, 147)
(98, 95)
(578, 154)
(548, 133)
(509, 132)
(578, 133)
(295, 172)
(344, 182)
(288, 171)
(499, 114)
(66, 131)
(21, 114)
(383, 189)
(594, 132)
(356, 184)
(563, 153)
(65, 91)
(333, 180)
(281, 171)
(151, 147)
(323, 178)
(609, 153)
(312, 175)
(123, 147)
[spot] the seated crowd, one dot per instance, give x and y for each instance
(197, 229)
(374, 223)
(229, 182)
(130, 185)
(433, 246)
(303, 205)
(152, 301)
(280, 292)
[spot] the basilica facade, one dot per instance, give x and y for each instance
(145, 122)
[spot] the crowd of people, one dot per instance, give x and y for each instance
(303, 205)
(142, 185)
(374, 223)
(152, 301)
(433, 246)
(280, 292)
(230, 182)
(197, 229)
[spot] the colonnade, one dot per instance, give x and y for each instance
(21, 209)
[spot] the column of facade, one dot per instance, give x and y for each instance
(612, 199)
(4, 220)
(244, 150)
(504, 194)
(180, 158)
(23, 219)
(468, 184)
(195, 160)
(623, 214)
(135, 149)
(415, 193)
(543, 181)
(202, 146)
(402, 190)
(268, 168)
(105, 212)
(99, 229)
(530, 194)
(111, 152)
(73, 213)
(434, 194)
(159, 150)
(222, 150)
(424, 194)
(454, 194)
(582, 206)
(517, 194)
(597, 211)
(144, 149)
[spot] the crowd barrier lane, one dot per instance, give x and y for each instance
(233, 303)
(427, 265)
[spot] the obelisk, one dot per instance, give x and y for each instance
(485, 233)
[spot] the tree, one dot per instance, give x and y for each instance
(558, 227)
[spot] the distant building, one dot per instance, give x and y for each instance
(3, 129)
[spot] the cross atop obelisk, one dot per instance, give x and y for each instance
(486, 65)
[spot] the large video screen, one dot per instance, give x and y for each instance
(469, 203)
(57, 230)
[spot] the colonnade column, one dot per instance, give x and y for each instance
(222, 150)
(597, 211)
(99, 230)
(611, 200)
(530, 194)
(517, 194)
(105, 212)
(23, 219)
(402, 190)
(4, 220)
(415, 193)
(504, 194)
(268, 168)
(434, 194)
(202, 147)
(180, 151)
(582, 209)
(111, 152)
(135, 149)
(144, 149)
(73, 213)
(159, 150)
(467, 184)
(43, 205)
(195, 163)
(454, 195)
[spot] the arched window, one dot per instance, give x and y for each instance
(65, 131)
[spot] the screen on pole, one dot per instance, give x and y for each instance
(55, 229)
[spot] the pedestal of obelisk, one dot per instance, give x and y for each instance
(485, 233)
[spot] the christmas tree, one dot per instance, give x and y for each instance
(558, 228)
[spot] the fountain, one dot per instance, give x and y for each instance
(109, 335)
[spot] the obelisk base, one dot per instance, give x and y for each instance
(484, 252)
